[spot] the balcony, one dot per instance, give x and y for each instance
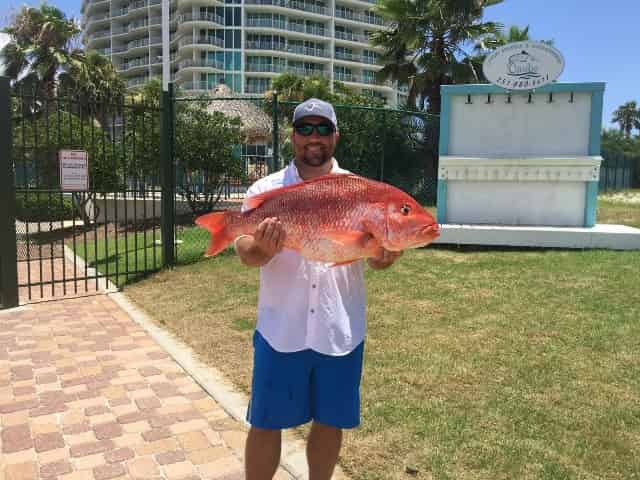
(201, 17)
(359, 17)
(157, 40)
(279, 68)
(292, 27)
(351, 57)
(118, 30)
(280, 47)
(198, 40)
(138, 62)
(201, 63)
(97, 18)
(352, 37)
(291, 4)
(312, 52)
(354, 78)
(99, 35)
(142, 42)
(104, 51)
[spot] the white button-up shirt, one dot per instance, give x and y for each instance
(305, 304)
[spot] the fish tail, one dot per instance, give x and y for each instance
(217, 224)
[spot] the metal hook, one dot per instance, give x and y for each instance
(509, 97)
(489, 98)
(550, 97)
(571, 98)
(530, 100)
(469, 102)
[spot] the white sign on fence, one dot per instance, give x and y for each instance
(74, 170)
(523, 65)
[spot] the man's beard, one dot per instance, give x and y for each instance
(316, 156)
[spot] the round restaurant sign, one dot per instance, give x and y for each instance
(523, 65)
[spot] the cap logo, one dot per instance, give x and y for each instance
(311, 106)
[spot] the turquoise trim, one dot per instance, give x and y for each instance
(479, 89)
(441, 202)
(591, 204)
(445, 114)
(595, 129)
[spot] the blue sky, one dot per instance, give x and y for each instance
(599, 40)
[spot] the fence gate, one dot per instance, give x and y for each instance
(81, 194)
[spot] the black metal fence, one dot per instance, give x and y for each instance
(619, 171)
(84, 182)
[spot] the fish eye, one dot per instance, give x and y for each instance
(405, 209)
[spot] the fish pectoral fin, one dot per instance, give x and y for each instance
(349, 238)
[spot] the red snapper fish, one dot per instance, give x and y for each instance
(335, 218)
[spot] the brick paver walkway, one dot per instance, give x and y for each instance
(86, 393)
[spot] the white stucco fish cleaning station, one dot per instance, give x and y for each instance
(520, 158)
(522, 168)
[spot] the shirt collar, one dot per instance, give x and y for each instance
(293, 176)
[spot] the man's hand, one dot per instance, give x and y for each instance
(384, 259)
(258, 249)
(269, 236)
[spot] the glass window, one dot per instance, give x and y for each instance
(237, 15)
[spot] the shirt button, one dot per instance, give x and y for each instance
(313, 286)
(312, 310)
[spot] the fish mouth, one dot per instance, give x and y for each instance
(432, 231)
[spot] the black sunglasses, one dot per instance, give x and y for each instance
(306, 129)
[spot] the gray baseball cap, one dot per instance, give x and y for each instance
(315, 108)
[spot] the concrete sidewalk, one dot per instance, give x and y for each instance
(87, 393)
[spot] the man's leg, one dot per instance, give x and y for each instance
(323, 447)
(262, 453)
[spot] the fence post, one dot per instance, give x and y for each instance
(276, 137)
(8, 254)
(168, 183)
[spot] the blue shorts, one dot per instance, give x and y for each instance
(290, 389)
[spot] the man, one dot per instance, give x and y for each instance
(308, 344)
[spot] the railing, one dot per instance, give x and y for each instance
(314, 52)
(201, 16)
(201, 63)
(97, 18)
(354, 78)
(158, 40)
(97, 35)
(129, 27)
(104, 51)
(138, 62)
(291, 4)
(350, 57)
(360, 17)
(189, 40)
(278, 68)
(352, 37)
(279, 25)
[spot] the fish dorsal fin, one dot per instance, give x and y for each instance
(255, 201)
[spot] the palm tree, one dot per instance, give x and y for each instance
(43, 41)
(628, 116)
(424, 48)
(94, 81)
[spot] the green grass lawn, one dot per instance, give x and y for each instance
(479, 363)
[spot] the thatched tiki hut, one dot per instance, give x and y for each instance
(256, 129)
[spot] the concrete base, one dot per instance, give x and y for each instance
(612, 237)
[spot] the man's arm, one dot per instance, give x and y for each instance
(258, 249)
(384, 260)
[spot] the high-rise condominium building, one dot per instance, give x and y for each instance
(241, 43)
